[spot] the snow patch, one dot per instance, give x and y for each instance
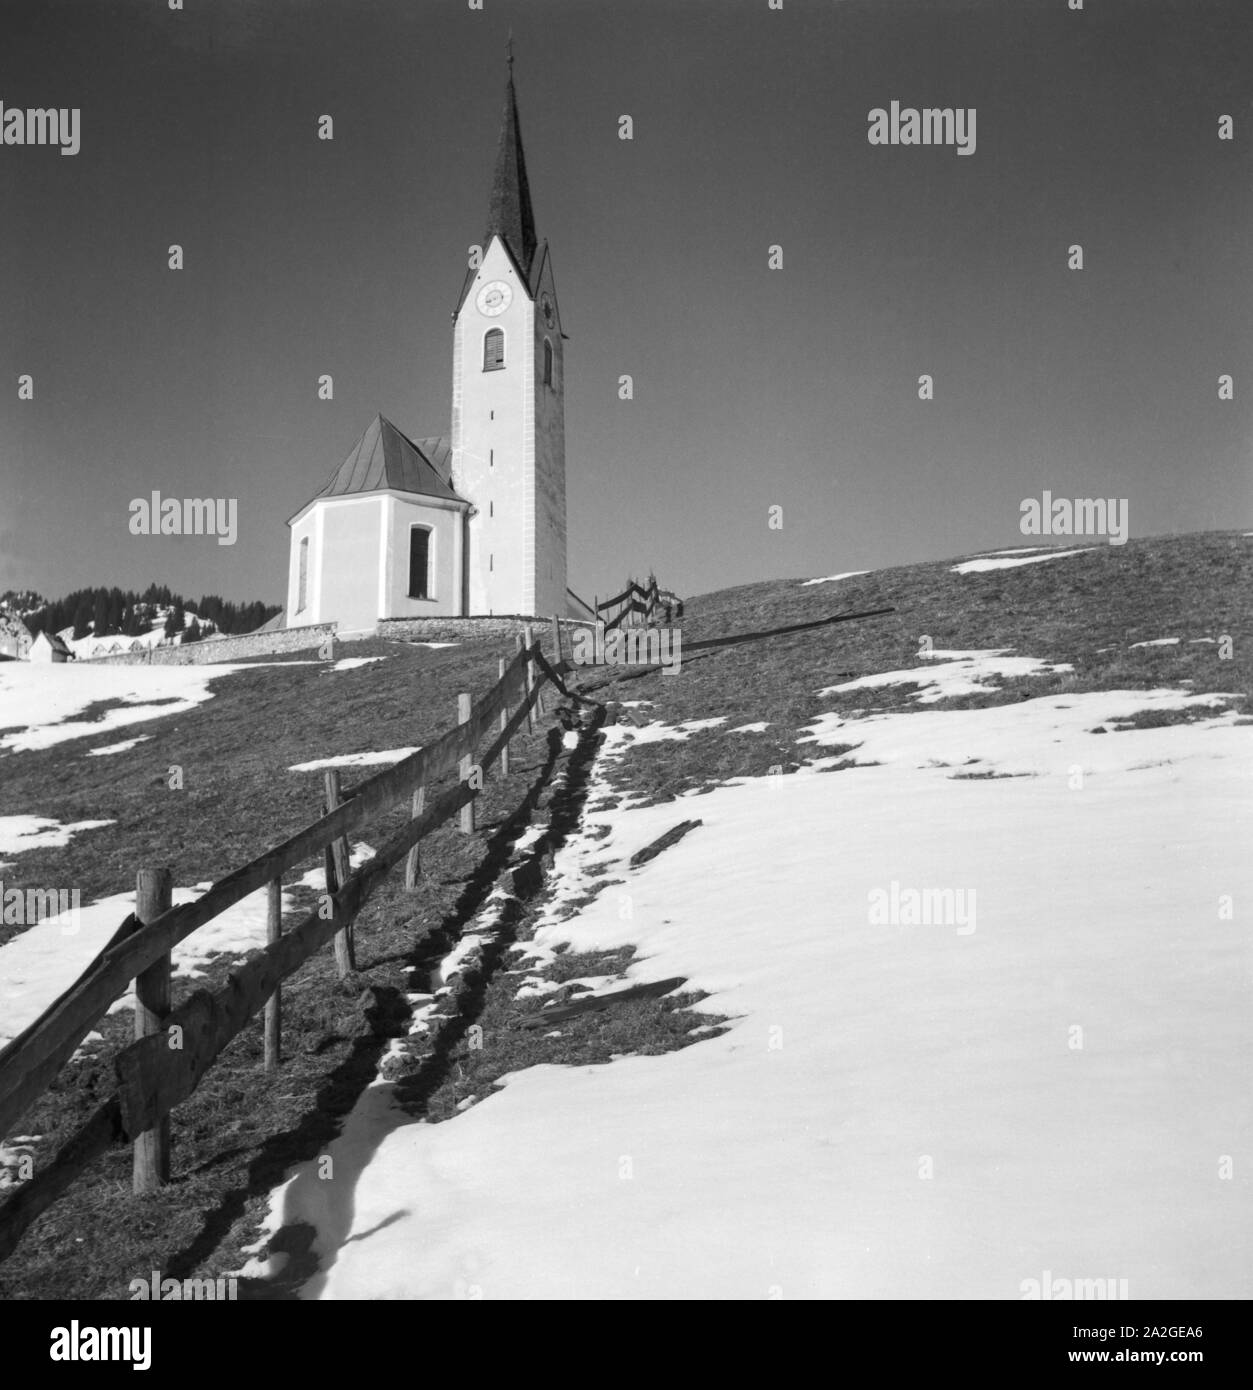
(350, 663)
(969, 675)
(831, 578)
(125, 746)
(386, 755)
(983, 566)
(40, 701)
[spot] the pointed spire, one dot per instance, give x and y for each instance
(510, 216)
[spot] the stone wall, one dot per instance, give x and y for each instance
(298, 639)
(469, 629)
(292, 639)
(458, 629)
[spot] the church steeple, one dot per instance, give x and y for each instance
(510, 216)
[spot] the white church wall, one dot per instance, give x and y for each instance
(492, 415)
(549, 501)
(444, 524)
(348, 561)
(304, 529)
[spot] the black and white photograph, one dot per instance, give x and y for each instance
(626, 662)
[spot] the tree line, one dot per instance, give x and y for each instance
(125, 613)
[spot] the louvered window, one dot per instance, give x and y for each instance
(494, 350)
(548, 363)
(302, 594)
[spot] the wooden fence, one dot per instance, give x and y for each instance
(639, 605)
(162, 1067)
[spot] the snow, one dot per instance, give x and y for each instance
(40, 701)
(1015, 550)
(434, 644)
(760, 727)
(350, 663)
(385, 755)
(658, 732)
(895, 1112)
(982, 566)
(21, 833)
(831, 578)
(1158, 642)
(125, 746)
(968, 675)
(48, 957)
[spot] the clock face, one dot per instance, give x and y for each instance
(494, 298)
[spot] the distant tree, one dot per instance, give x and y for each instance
(82, 621)
(192, 632)
(175, 620)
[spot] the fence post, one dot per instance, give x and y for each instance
(337, 871)
(411, 859)
(504, 720)
(537, 709)
(153, 896)
(556, 643)
(467, 811)
(274, 1004)
(600, 642)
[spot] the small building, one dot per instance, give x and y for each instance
(49, 646)
(15, 638)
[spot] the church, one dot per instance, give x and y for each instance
(472, 522)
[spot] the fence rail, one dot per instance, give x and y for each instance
(153, 1077)
(648, 601)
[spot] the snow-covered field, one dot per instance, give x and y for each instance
(40, 701)
(47, 958)
(899, 1110)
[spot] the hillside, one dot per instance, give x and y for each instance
(875, 1108)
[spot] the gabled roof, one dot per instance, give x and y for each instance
(384, 458)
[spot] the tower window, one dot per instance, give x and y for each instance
(302, 594)
(493, 350)
(548, 363)
(419, 562)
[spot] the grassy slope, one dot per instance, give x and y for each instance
(1063, 610)
(237, 1135)
(1060, 610)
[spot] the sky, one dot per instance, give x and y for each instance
(793, 388)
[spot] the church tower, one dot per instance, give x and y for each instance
(508, 413)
